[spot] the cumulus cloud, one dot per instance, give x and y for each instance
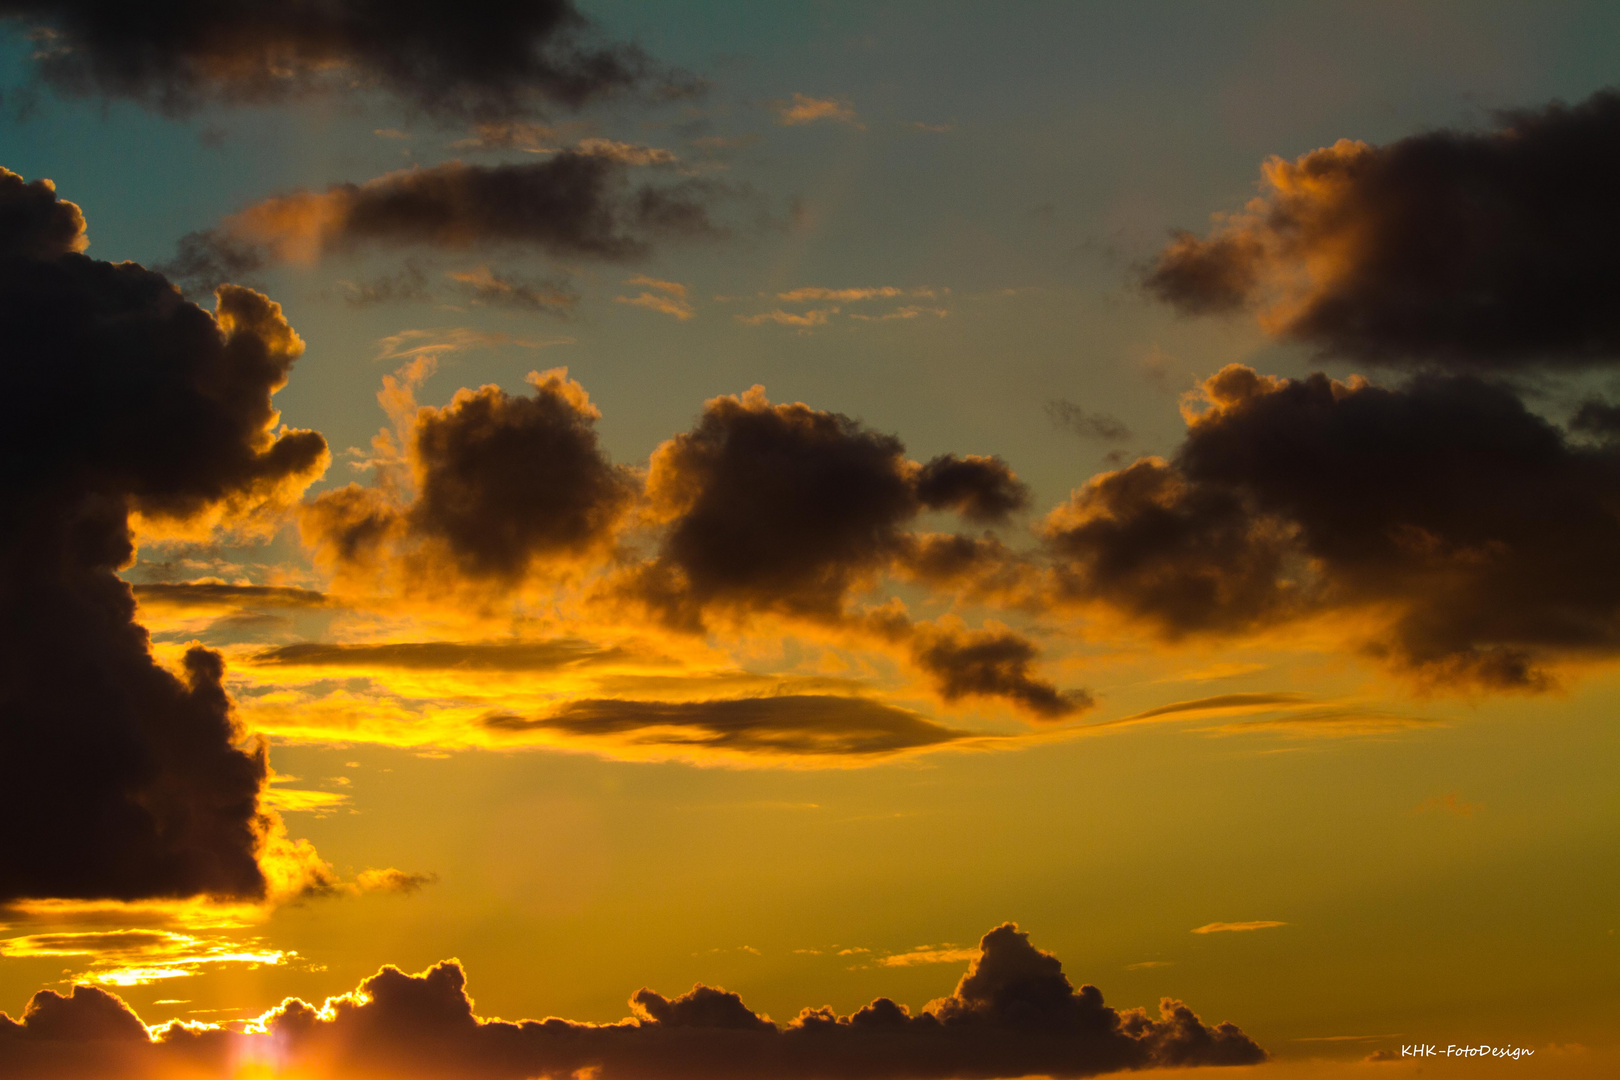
(788, 510)
(502, 484)
(569, 204)
(488, 60)
(1472, 249)
(127, 407)
(1465, 538)
(1015, 1013)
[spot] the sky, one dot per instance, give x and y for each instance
(847, 540)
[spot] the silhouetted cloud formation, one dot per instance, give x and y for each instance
(568, 204)
(1466, 537)
(1013, 1014)
(980, 489)
(1472, 249)
(119, 778)
(789, 509)
(992, 663)
(788, 724)
(501, 483)
(483, 59)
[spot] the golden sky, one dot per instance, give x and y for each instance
(849, 542)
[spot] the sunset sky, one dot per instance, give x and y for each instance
(689, 520)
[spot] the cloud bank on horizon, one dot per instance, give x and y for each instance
(1014, 1013)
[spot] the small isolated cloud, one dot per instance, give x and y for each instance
(929, 954)
(1450, 803)
(390, 880)
(485, 286)
(804, 320)
(1237, 927)
(1145, 964)
(804, 109)
(1088, 425)
(666, 297)
(910, 311)
(938, 129)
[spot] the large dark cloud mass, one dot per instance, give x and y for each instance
(502, 484)
(1476, 250)
(1470, 539)
(484, 59)
(1013, 1014)
(119, 778)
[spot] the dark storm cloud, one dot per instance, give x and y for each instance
(1013, 1014)
(569, 204)
(1472, 249)
(481, 59)
(791, 724)
(502, 483)
(118, 778)
(1471, 539)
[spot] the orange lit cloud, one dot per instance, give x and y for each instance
(803, 109)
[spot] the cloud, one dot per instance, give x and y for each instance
(489, 61)
(788, 511)
(1013, 1014)
(1459, 537)
(992, 663)
(666, 297)
(625, 153)
(512, 656)
(802, 320)
(1237, 927)
(928, 954)
(142, 957)
(980, 489)
(809, 725)
(393, 881)
(502, 485)
(128, 409)
(568, 205)
(810, 293)
(809, 110)
(664, 305)
(1471, 249)
(910, 311)
(484, 286)
(1087, 425)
